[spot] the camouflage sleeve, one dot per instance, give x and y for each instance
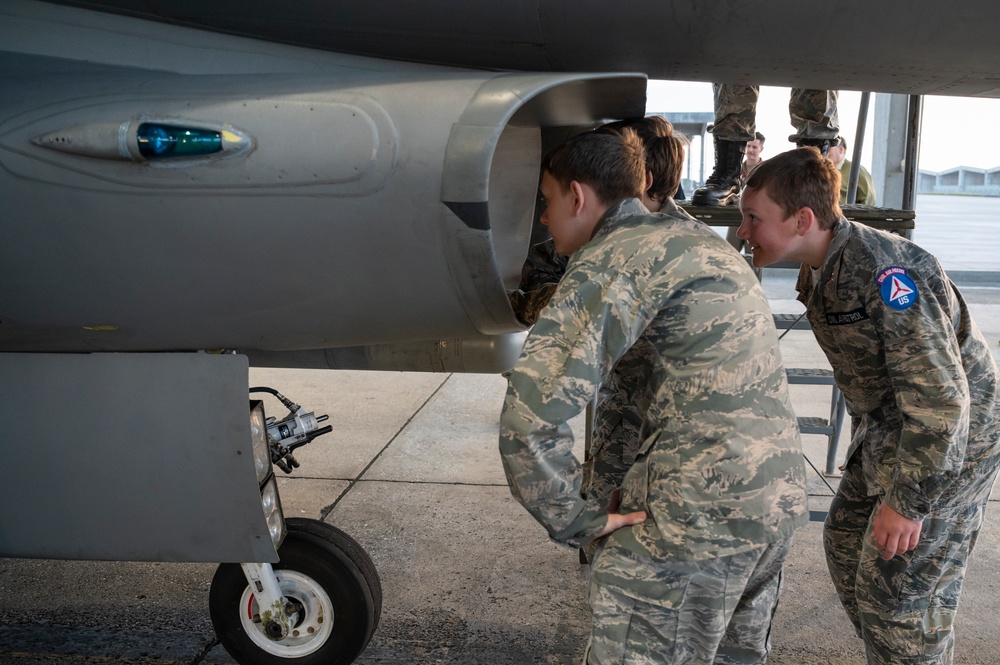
(527, 305)
(924, 362)
(618, 421)
(541, 273)
(542, 266)
(576, 341)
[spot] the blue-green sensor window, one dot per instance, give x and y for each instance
(158, 141)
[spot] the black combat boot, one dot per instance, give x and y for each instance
(822, 144)
(723, 186)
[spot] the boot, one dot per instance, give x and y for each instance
(723, 186)
(822, 144)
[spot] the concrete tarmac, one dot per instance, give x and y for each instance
(412, 472)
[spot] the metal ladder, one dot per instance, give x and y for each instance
(832, 426)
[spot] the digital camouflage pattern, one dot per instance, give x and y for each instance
(735, 111)
(721, 470)
(813, 113)
(618, 418)
(542, 270)
(904, 608)
(619, 408)
(920, 382)
(713, 611)
(922, 389)
(622, 399)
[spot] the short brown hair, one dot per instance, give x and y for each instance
(613, 164)
(664, 152)
(798, 179)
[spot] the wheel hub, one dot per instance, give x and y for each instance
(309, 611)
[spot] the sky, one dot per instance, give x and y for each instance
(956, 131)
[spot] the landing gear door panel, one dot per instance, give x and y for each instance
(140, 457)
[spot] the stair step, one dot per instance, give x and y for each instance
(810, 375)
(813, 425)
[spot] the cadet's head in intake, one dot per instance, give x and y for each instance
(583, 177)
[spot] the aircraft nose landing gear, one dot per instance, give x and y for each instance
(329, 602)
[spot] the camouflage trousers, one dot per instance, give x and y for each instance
(684, 612)
(813, 113)
(904, 609)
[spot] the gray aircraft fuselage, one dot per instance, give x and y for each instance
(361, 193)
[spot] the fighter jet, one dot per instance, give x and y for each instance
(190, 188)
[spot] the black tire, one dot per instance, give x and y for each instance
(347, 545)
(327, 568)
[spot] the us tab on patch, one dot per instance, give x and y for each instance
(898, 290)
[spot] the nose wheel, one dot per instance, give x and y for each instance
(333, 599)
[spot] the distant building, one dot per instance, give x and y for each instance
(960, 180)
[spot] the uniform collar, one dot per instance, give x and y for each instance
(617, 212)
(841, 232)
(669, 207)
(831, 262)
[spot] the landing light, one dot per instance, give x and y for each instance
(258, 436)
(269, 499)
(272, 512)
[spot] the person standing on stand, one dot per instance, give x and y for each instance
(866, 187)
(754, 148)
(813, 114)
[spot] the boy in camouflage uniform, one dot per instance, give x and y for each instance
(621, 403)
(922, 390)
(690, 567)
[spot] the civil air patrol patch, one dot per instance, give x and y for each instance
(898, 290)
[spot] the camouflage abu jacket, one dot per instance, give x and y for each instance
(917, 374)
(721, 471)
